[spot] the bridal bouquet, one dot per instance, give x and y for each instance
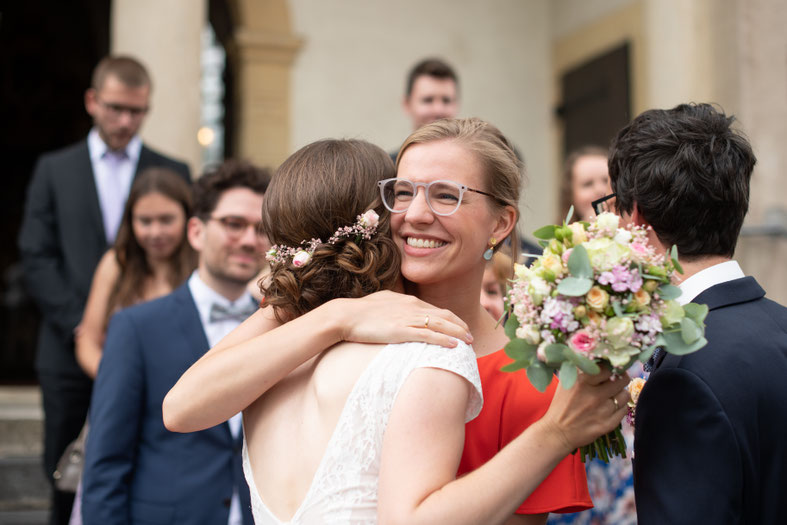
(598, 293)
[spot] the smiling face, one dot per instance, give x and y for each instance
(589, 181)
(447, 249)
(228, 260)
(432, 98)
(158, 223)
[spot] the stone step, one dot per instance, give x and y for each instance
(24, 517)
(24, 490)
(23, 486)
(21, 421)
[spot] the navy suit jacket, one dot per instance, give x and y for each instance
(710, 442)
(136, 471)
(61, 241)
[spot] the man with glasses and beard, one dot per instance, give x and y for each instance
(74, 205)
(135, 470)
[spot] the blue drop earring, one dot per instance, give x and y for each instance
(491, 250)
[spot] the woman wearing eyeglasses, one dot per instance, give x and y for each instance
(455, 199)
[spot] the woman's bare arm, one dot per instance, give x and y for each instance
(423, 444)
(89, 335)
(260, 352)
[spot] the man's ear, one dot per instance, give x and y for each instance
(90, 101)
(637, 218)
(195, 232)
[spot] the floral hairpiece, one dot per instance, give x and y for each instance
(365, 226)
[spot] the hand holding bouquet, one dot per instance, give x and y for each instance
(599, 293)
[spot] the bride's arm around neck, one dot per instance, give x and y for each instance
(261, 351)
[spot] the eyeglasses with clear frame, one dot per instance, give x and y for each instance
(606, 203)
(442, 196)
(235, 227)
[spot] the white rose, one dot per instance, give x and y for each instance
(529, 333)
(608, 221)
(623, 236)
(578, 235)
(539, 286)
(522, 272)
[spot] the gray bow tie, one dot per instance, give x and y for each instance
(233, 313)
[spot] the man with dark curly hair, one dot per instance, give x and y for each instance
(710, 426)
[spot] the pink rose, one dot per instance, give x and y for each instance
(369, 219)
(582, 342)
(301, 258)
(566, 255)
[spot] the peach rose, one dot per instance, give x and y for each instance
(597, 298)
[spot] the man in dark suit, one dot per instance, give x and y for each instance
(710, 427)
(74, 204)
(136, 471)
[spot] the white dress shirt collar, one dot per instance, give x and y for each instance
(98, 148)
(711, 276)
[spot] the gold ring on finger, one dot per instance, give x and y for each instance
(615, 401)
(426, 322)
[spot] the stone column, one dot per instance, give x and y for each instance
(165, 37)
(263, 51)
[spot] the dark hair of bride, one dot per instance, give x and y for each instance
(319, 189)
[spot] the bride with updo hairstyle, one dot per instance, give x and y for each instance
(317, 191)
(313, 446)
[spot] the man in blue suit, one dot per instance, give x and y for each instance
(136, 471)
(711, 427)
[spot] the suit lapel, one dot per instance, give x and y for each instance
(83, 170)
(145, 161)
(193, 333)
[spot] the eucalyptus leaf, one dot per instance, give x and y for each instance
(554, 353)
(696, 312)
(568, 374)
(569, 215)
(689, 331)
(617, 309)
(674, 258)
(673, 343)
(579, 263)
(519, 350)
(545, 232)
(646, 354)
(667, 292)
(574, 286)
(586, 365)
(513, 367)
(510, 327)
(540, 376)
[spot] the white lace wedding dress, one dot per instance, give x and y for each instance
(344, 488)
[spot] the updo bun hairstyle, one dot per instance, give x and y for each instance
(319, 189)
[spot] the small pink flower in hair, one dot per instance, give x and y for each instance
(301, 258)
(369, 219)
